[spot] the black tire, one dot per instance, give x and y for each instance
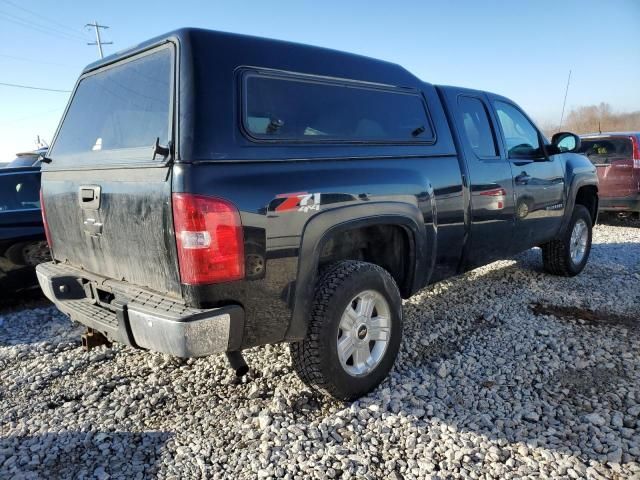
(556, 256)
(315, 359)
(28, 253)
(604, 217)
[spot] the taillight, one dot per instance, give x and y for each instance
(636, 152)
(47, 233)
(500, 193)
(209, 239)
(494, 192)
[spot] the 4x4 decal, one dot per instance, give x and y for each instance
(299, 201)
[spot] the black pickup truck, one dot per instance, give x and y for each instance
(210, 192)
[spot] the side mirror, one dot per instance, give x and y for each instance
(565, 142)
(43, 158)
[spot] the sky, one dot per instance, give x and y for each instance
(523, 50)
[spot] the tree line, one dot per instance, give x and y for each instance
(595, 118)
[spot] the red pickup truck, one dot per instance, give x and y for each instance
(616, 156)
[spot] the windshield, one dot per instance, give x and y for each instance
(117, 114)
(602, 151)
(24, 161)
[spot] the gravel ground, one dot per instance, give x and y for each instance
(504, 373)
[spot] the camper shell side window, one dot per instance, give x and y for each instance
(284, 108)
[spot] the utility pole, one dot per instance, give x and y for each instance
(98, 42)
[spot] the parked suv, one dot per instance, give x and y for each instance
(22, 237)
(210, 192)
(28, 159)
(617, 160)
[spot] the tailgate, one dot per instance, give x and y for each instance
(124, 232)
(106, 196)
(613, 159)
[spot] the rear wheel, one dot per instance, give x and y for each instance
(354, 332)
(29, 253)
(568, 255)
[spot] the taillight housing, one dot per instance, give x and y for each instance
(499, 193)
(209, 239)
(636, 152)
(47, 233)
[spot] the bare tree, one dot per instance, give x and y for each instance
(594, 118)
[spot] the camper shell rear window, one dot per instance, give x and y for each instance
(303, 108)
(117, 113)
(603, 151)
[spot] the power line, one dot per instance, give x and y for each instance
(98, 42)
(34, 88)
(75, 31)
(43, 26)
(33, 60)
(36, 27)
(13, 121)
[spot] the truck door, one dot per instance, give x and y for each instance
(489, 177)
(538, 179)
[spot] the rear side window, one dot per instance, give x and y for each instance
(118, 110)
(477, 126)
(20, 191)
(312, 110)
(602, 151)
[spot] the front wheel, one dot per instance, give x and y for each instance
(568, 255)
(354, 332)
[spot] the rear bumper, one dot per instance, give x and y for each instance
(620, 204)
(138, 317)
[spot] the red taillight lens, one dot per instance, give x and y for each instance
(47, 233)
(209, 239)
(636, 152)
(494, 192)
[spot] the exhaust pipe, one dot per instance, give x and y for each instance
(236, 360)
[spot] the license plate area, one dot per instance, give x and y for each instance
(99, 296)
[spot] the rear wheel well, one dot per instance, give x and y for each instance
(388, 246)
(588, 196)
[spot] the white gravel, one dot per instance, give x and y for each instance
(484, 387)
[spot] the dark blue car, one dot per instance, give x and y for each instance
(22, 240)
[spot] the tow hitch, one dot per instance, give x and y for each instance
(92, 339)
(236, 360)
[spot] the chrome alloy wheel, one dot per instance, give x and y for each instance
(578, 242)
(363, 333)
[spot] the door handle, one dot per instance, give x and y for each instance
(523, 179)
(89, 196)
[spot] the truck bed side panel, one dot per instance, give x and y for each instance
(275, 234)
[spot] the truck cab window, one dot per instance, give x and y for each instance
(477, 126)
(519, 133)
